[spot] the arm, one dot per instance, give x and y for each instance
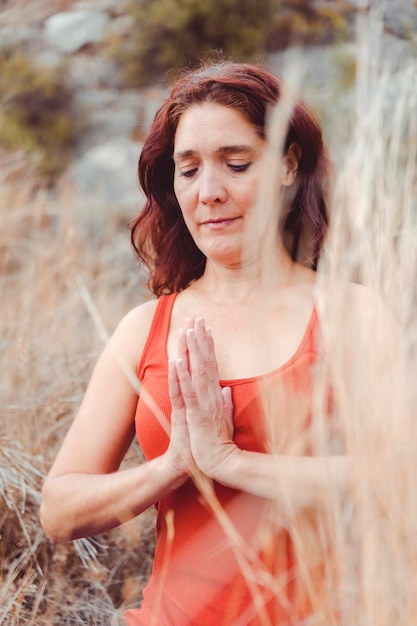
(370, 421)
(293, 481)
(84, 493)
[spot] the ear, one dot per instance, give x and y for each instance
(291, 161)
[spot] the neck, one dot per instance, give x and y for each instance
(245, 281)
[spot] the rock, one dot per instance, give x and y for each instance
(96, 98)
(151, 100)
(108, 125)
(111, 114)
(71, 30)
(90, 72)
(11, 37)
(400, 18)
(122, 25)
(47, 58)
(103, 5)
(105, 177)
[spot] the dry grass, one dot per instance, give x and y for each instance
(370, 343)
(373, 241)
(52, 261)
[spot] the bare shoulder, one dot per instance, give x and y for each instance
(363, 311)
(132, 331)
(354, 298)
(363, 302)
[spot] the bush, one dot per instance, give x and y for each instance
(170, 34)
(302, 22)
(37, 114)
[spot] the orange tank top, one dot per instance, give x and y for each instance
(236, 567)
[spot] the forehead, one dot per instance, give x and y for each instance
(209, 124)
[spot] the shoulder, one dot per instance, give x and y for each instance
(137, 318)
(357, 301)
(358, 313)
(334, 293)
(131, 333)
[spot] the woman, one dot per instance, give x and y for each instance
(229, 341)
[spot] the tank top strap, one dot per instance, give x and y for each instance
(156, 342)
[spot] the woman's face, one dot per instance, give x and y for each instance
(218, 160)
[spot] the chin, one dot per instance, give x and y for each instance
(230, 258)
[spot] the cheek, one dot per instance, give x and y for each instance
(179, 194)
(248, 193)
(176, 190)
(185, 204)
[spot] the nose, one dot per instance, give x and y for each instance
(212, 188)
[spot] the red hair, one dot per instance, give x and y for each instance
(159, 235)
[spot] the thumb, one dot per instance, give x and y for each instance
(228, 407)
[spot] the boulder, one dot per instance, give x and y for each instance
(91, 72)
(111, 114)
(105, 177)
(103, 5)
(400, 18)
(12, 37)
(71, 30)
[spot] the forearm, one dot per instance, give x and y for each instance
(293, 481)
(81, 505)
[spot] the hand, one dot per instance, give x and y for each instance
(208, 407)
(179, 449)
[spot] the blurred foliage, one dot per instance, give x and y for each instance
(169, 34)
(37, 113)
(346, 71)
(306, 22)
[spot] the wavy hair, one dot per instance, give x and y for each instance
(159, 235)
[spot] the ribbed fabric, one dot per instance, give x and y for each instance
(241, 570)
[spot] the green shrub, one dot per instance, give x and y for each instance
(37, 113)
(300, 22)
(171, 34)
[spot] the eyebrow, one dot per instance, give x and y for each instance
(238, 149)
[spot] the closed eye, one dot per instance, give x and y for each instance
(188, 173)
(239, 168)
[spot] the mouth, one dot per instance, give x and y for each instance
(220, 222)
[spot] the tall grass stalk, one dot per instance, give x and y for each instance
(369, 353)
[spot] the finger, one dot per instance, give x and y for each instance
(203, 370)
(201, 350)
(206, 345)
(182, 347)
(196, 363)
(188, 392)
(228, 409)
(175, 395)
(201, 336)
(212, 355)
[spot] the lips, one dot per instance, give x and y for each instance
(220, 222)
